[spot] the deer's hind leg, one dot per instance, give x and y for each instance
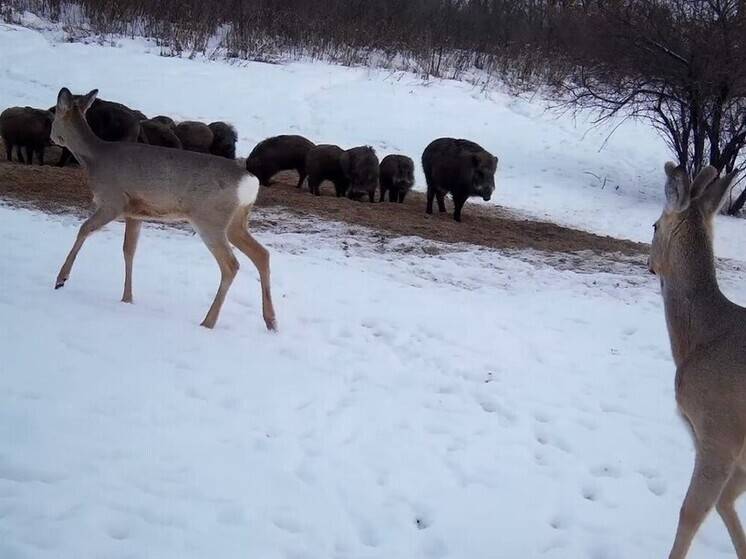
(242, 239)
(735, 486)
(100, 217)
(712, 470)
(131, 235)
(214, 237)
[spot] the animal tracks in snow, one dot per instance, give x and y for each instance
(389, 418)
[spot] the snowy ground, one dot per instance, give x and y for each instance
(550, 165)
(455, 402)
(461, 404)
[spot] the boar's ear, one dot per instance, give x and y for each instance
(64, 100)
(87, 100)
(494, 160)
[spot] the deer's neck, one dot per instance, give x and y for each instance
(82, 142)
(696, 310)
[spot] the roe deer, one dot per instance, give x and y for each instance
(709, 349)
(139, 181)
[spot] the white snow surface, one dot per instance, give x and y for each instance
(551, 166)
(457, 402)
(453, 402)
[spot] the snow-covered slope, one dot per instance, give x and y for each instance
(469, 404)
(550, 166)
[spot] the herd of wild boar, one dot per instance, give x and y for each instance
(458, 166)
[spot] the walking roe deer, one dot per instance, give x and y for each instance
(707, 341)
(139, 181)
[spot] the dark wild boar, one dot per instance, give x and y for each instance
(360, 166)
(323, 163)
(194, 136)
(166, 120)
(155, 133)
(26, 127)
(279, 153)
(460, 167)
(396, 177)
(224, 138)
(110, 121)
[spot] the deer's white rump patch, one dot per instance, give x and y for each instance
(248, 188)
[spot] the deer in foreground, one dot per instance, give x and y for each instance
(140, 181)
(706, 331)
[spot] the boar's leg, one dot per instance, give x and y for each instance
(402, 194)
(9, 152)
(313, 185)
(29, 154)
(19, 154)
(301, 178)
(458, 202)
(64, 157)
(383, 194)
(441, 201)
(40, 153)
(430, 197)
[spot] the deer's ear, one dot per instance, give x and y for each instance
(64, 100)
(702, 181)
(712, 196)
(87, 100)
(677, 188)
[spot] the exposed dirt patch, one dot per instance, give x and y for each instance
(64, 190)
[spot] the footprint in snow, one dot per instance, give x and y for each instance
(589, 492)
(559, 522)
(118, 532)
(656, 484)
(368, 535)
(286, 523)
(540, 458)
(606, 470)
(490, 405)
(542, 417)
(546, 438)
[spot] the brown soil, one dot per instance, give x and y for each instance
(64, 190)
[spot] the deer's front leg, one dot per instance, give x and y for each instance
(131, 234)
(101, 217)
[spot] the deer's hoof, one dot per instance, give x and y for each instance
(271, 324)
(60, 283)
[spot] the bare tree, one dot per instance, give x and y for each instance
(680, 65)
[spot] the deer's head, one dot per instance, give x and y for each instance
(69, 116)
(687, 216)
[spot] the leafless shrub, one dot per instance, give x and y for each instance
(440, 38)
(680, 65)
